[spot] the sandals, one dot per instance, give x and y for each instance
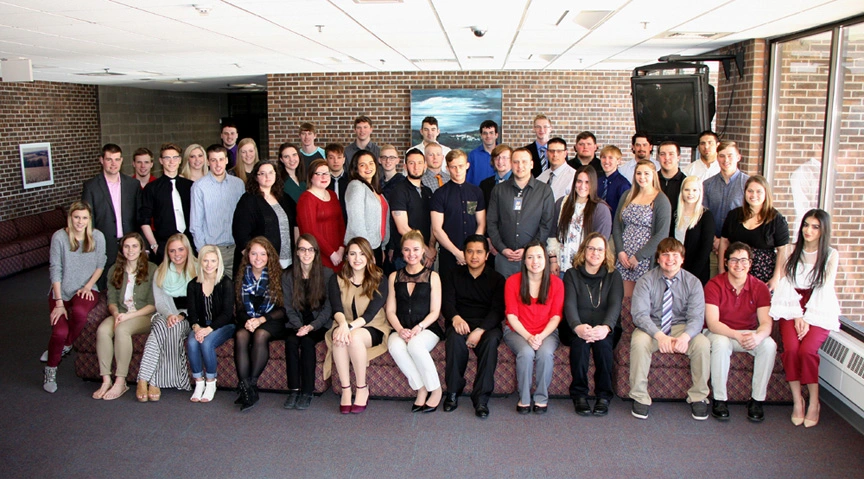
(141, 391)
(100, 393)
(154, 393)
(111, 395)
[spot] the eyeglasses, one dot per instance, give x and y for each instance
(742, 261)
(318, 173)
(388, 158)
(303, 250)
(593, 249)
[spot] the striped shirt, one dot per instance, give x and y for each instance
(212, 210)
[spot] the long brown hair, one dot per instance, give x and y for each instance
(525, 287)
(89, 244)
(274, 271)
(765, 214)
(312, 292)
(373, 274)
(817, 275)
(254, 189)
(569, 206)
(299, 172)
(142, 268)
(354, 170)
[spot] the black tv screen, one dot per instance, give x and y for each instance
(671, 107)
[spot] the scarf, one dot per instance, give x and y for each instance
(254, 291)
(174, 283)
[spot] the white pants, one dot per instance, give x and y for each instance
(721, 353)
(414, 360)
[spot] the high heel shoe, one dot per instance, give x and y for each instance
(797, 421)
(813, 423)
(357, 408)
(343, 409)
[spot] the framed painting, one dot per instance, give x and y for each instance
(459, 113)
(36, 167)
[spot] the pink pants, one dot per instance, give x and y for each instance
(68, 327)
(801, 358)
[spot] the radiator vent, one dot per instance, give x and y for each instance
(835, 349)
(856, 365)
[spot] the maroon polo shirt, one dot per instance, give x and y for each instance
(738, 311)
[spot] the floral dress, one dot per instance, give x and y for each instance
(638, 222)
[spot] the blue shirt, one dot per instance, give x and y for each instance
(459, 204)
(721, 197)
(212, 209)
(611, 188)
(481, 166)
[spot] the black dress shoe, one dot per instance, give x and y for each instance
(417, 408)
(451, 402)
(601, 407)
(540, 409)
(481, 411)
(427, 409)
(581, 406)
(754, 411)
(304, 401)
(523, 409)
(291, 400)
(720, 410)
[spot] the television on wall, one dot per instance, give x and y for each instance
(671, 105)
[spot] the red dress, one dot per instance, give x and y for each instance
(323, 220)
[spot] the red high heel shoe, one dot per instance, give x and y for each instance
(357, 409)
(342, 408)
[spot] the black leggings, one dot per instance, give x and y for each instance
(300, 359)
(252, 350)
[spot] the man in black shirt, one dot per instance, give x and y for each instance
(410, 209)
(473, 310)
(166, 202)
(670, 177)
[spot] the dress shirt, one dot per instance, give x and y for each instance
(721, 196)
(562, 182)
(212, 211)
(157, 204)
(479, 301)
(481, 166)
(611, 188)
(698, 168)
(688, 302)
(351, 149)
(429, 178)
(459, 203)
(508, 228)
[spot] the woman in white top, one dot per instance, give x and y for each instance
(807, 308)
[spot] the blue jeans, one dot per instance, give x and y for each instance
(205, 352)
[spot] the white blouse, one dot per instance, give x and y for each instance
(823, 308)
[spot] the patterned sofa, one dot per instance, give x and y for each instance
(25, 242)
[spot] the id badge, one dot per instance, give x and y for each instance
(517, 204)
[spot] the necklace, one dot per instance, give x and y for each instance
(591, 296)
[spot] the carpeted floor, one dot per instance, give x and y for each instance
(70, 435)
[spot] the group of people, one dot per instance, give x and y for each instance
(516, 244)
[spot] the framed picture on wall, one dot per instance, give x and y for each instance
(36, 167)
(459, 113)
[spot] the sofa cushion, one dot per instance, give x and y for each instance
(8, 250)
(8, 231)
(30, 243)
(53, 220)
(28, 225)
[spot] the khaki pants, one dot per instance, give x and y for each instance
(713, 268)
(642, 346)
(116, 342)
(722, 348)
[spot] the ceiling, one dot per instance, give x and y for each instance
(214, 45)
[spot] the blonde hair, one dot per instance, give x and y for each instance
(220, 271)
(636, 189)
(697, 211)
(89, 243)
(188, 269)
(186, 170)
(239, 168)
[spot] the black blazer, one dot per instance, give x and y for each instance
(538, 167)
(698, 243)
(96, 194)
(253, 217)
(222, 304)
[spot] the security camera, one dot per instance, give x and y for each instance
(478, 32)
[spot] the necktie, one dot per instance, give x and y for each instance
(544, 163)
(605, 188)
(179, 220)
(666, 321)
(551, 177)
(440, 180)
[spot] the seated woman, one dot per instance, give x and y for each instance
(413, 307)
(210, 299)
(593, 291)
(308, 317)
(130, 302)
(806, 305)
(164, 364)
(533, 301)
(576, 216)
(77, 259)
(694, 228)
(260, 315)
(357, 297)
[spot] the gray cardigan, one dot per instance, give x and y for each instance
(72, 269)
(662, 214)
(363, 208)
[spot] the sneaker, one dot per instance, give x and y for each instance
(699, 410)
(639, 411)
(304, 401)
(49, 382)
(291, 400)
(754, 411)
(66, 351)
(720, 410)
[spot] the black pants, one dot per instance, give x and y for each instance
(486, 351)
(300, 359)
(446, 262)
(579, 351)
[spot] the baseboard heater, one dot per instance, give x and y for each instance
(842, 367)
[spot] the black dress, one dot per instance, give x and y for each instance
(412, 308)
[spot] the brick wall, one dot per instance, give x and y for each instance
(136, 117)
(598, 101)
(65, 115)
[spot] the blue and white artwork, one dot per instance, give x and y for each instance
(459, 114)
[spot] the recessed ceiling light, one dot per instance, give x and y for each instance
(589, 19)
(105, 73)
(690, 35)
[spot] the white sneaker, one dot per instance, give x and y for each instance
(49, 383)
(199, 391)
(209, 391)
(66, 351)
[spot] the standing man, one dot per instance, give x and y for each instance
(309, 152)
(586, 151)
(389, 160)
(142, 163)
(724, 192)
(611, 184)
(362, 138)
(560, 174)
(458, 211)
(473, 313)
(410, 208)
(339, 178)
(165, 204)
(736, 314)
(501, 165)
(429, 132)
(542, 133)
(670, 177)
(521, 210)
(706, 166)
(229, 141)
(114, 199)
(214, 197)
(641, 146)
(435, 176)
(669, 312)
(480, 158)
